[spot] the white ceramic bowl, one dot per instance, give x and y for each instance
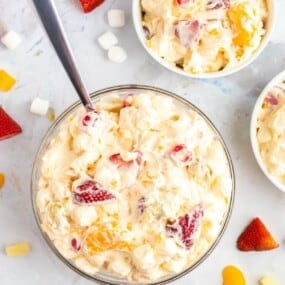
(137, 20)
(253, 130)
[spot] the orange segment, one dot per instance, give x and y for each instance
(237, 15)
(6, 81)
(104, 238)
(233, 276)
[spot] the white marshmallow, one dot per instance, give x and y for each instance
(117, 54)
(116, 18)
(11, 40)
(107, 40)
(39, 106)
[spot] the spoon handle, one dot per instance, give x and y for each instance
(49, 16)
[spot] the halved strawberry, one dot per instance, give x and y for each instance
(181, 155)
(256, 237)
(120, 162)
(90, 192)
(184, 228)
(218, 4)
(89, 5)
(8, 127)
(271, 99)
(76, 243)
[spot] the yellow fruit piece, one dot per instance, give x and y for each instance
(6, 81)
(267, 280)
(233, 276)
(51, 115)
(2, 180)
(18, 249)
(104, 239)
(237, 16)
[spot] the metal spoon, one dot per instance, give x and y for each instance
(54, 28)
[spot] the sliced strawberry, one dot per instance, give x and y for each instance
(256, 237)
(128, 100)
(76, 243)
(271, 99)
(181, 155)
(185, 3)
(147, 33)
(91, 193)
(90, 119)
(185, 227)
(218, 4)
(120, 162)
(187, 31)
(8, 127)
(89, 5)
(141, 205)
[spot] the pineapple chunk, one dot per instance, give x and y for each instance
(18, 249)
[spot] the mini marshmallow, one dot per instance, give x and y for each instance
(117, 54)
(107, 40)
(116, 18)
(11, 40)
(39, 106)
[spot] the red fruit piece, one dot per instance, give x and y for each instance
(128, 100)
(271, 99)
(91, 193)
(187, 31)
(256, 237)
(76, 244)
(89, 5)
(185, 3)
(90, 119)
(120, 162)
(8, 127)
(185, 227)
(141, 205)
(218, 4)
(181, 155)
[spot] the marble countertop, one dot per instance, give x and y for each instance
(227, 101)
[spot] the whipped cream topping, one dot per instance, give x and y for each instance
(139, 189)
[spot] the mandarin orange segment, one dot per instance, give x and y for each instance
(6, 81)
(237, 15)
(104, 239)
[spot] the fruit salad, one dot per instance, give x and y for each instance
(270, 131)
(204, 36)
(139, 188)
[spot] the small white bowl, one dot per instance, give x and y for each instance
(137, 20)
(277, 79)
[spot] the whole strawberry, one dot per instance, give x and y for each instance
(8, 127)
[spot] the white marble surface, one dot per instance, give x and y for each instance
(227, 101)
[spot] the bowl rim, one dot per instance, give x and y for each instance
(270, 25)
(254, 144)
(45, 142)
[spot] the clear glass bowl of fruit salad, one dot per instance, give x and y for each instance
(138, 191)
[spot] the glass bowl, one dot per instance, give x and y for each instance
(233, 68)
(53, 131)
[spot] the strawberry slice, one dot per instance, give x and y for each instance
(218, 4)
(76, 244)
(89, 5)
(185, 227)
(256, 237)
(90, 119)
(185, 3)
(8, 127)
(271, 99)
(141, 205)
(90, 193)
(120, 162)
(181, 155)
(187, 31)
(128, 100)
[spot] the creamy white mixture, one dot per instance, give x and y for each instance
(271, 131)
(202, 36)
(139, 189)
